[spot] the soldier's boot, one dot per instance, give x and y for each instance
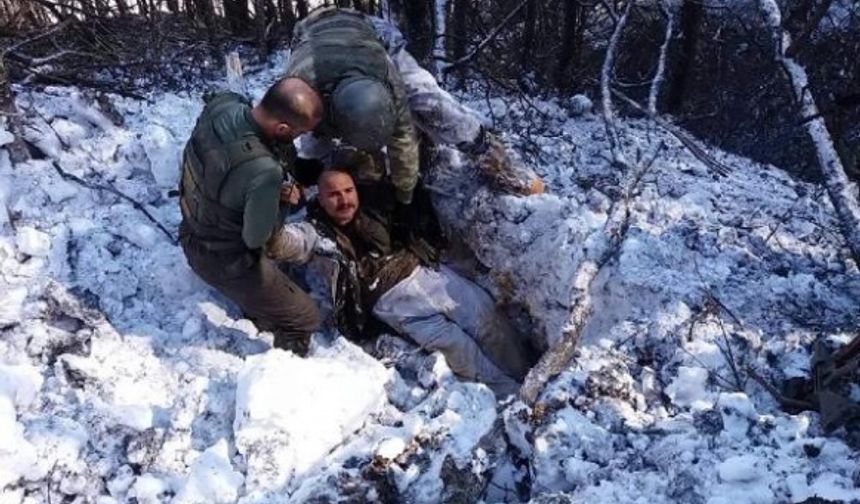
(299, 345)
(504, 173)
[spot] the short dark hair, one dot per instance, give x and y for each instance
(293, 104)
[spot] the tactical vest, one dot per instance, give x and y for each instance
(335, 45)
(206, 165)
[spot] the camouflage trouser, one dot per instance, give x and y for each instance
(442, 311)
(435, 111)
(265, 294)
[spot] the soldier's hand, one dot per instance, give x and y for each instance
(291, 194)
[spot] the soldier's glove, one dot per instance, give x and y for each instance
(299, 345)
(404, 222)
(427, 254)
(503, 172)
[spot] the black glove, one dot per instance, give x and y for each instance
(403, 222)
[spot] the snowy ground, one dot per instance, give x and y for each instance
(123, 378)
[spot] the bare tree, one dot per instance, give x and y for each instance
(573, 28)
(692, 14)
(843, 194)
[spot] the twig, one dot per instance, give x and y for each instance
(781, 399)
(685, 139)
(103, 187)
(808, 29)
(54, 29)
(113, 190)
(489, 38)
(729, 355)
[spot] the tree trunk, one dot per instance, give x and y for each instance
(527, 50)
(692, 13)
(287, 14)
(459, 34)
(302, 8)
(260, 27)
(571, 42)
(236, 14)
(843, 194)
(416, 18)
(440, 12)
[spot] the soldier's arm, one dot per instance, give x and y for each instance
(294, 242)
(403, 153)
(261, 203)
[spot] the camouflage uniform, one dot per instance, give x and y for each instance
(321, 51)
(229, 198)
(431, 305)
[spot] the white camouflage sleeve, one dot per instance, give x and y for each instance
(293, 243)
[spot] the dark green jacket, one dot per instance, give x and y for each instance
(231, 180)
(332, 45)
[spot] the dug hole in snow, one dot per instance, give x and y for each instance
(123, 376)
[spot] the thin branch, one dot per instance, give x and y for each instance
(97, 186)
(785, 402)
(113, 190)
(807, 31)
(54, 29)
(614, 231)
(682, 136)
(489, 38)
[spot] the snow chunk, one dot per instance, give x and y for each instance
(578, 105)
(12, 305)
(149, 489)
(6, 137)
(390, 448)
(18, 388)
(738, 412)
(688, 389)
(742, 468)
(20, 384)
(290, 412)
(212, 480)
(33, 242)
(160, 147)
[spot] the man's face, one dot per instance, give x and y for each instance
(338, 197)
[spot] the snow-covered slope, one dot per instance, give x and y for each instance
(123, 377)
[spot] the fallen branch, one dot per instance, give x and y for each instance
(557, 358)
(96, 186)
(113, 190)
(784, 402)
(682, 136)
(46, 33)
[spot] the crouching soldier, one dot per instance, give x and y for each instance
(375, 94)
(230, 192)
(432, 306)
